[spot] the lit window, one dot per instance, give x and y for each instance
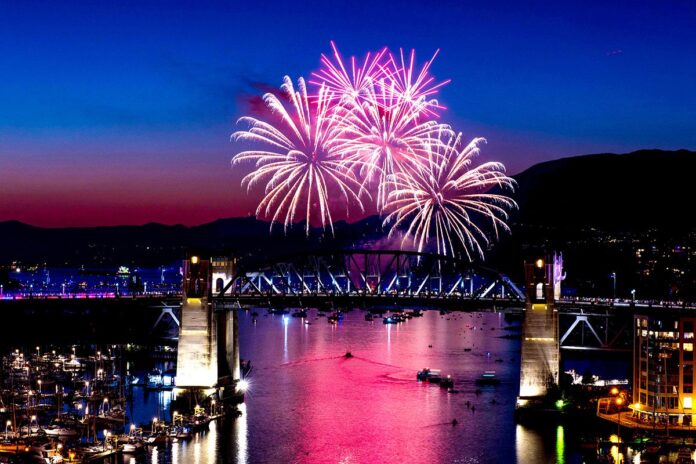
(688, 347)
(687, 402)
(688, 335)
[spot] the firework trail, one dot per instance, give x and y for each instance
(444, 201)
(299, 165)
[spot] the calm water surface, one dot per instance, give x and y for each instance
(309, 404)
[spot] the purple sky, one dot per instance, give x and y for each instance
(121, 112)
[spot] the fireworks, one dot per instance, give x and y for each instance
(371, 126)
(384, 139)
(443, 201)
(300, 165)
(417, 89)
(345, 84)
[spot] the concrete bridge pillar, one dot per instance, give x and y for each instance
(539, 363)
(208, 340)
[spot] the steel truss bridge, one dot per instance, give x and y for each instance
(366, 279)
(368, 274)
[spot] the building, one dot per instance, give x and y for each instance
(663, 370)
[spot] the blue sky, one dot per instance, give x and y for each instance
(139, 97)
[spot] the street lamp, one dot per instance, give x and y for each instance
(613, 277)
(633, 295)
(7, 425)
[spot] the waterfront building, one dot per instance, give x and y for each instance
(663, 370)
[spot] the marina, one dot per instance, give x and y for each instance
(293, 362)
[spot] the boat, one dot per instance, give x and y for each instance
(488, 378)
(392, 320)
(368, 317)
(133, 446)
(58, 431)
(157, 438)
(429, 375)
(157, 380)
(447, 382)
(301, 313)
(416, 313)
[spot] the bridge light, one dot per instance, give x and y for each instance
(540, 263)
(194, 259)
(242, 385)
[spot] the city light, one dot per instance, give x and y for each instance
(242, 385)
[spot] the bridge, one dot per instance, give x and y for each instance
(205, 311)
(366, 279)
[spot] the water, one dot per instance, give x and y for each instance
(309, 404)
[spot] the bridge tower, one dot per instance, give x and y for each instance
(539, 363)
(208, 339)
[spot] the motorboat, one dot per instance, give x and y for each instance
(488, 378)
(133, 446)
(429, 375)
(58, 431)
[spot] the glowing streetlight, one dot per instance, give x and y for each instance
(7, 426)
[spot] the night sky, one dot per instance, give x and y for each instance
(120, 112)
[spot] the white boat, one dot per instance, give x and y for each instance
(62, 432)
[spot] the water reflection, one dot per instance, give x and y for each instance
(309, 404)
(240, 432)
(560, 445)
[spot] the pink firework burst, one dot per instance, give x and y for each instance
(349, 80)
(446, 201)
(383, 135)
(417, 87)
(299, 163)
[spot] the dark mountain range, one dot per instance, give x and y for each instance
(600, 210)
(647, 188)
(154, 244)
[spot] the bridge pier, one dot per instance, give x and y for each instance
(539, 363)
(208, 354)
